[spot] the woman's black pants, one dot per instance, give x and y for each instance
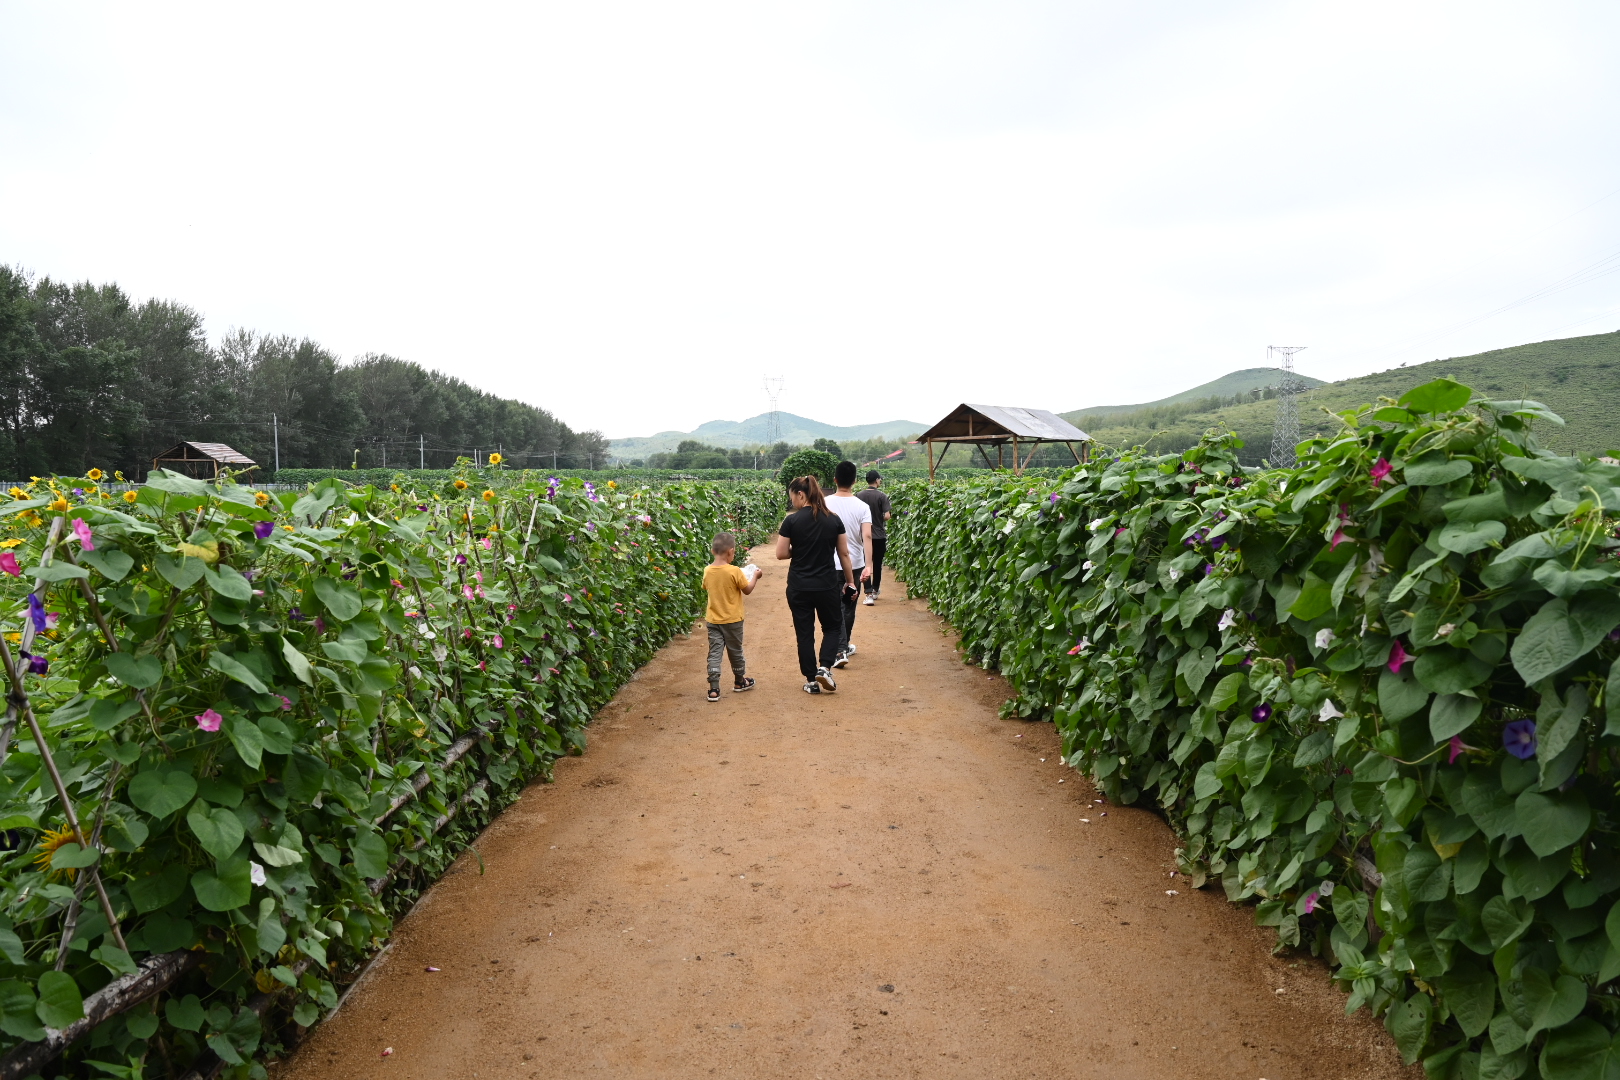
(807, 607)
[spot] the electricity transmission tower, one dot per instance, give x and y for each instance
(1285, 432)
(773, 419)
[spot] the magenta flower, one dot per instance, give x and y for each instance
(209, 720)
(8, 563)
(1261, 713)
(286, 702)
(498, 641)
(87, 542)
(1380, 469)
(263, 529)
(1397, 656)
(461, 560)
(466, 590)
(567, 599)
(1457, 748)
(1519, 739)
(320, 625)
(1339, 537)
(1119, 530)
(1312, 899)
(488, 543)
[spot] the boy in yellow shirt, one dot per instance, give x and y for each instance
(726, 586)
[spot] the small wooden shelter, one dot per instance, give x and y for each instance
(202, 460)
(1003, 426)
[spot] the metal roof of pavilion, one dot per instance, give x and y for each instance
(1002, 423)
(212, 451)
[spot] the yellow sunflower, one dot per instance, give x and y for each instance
(489, 495)
(261, 498)
(131, 496)
(95, 474)
(59, 504)
(17, 493)
(495, 459)
(53, 839)
(461, 485)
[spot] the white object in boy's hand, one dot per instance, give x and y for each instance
(752, 571)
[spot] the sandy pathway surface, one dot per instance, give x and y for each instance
(885, 882)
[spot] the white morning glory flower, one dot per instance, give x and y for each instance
(1325, 637)
(1329, 712)
(1228, 620)
(256, 873)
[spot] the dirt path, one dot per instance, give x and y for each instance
(886, 882)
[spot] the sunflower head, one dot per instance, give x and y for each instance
(131, 496)
(261, 498)
(489, 495)
(48, 843)
(95, 474)
(59, 504)
(17, 493)
(495, 459)
(461, 485)
(393, 487)
(614, 484)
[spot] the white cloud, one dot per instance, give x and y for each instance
(629, 213)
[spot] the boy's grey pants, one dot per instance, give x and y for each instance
(727, 637)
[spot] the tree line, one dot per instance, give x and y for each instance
(95, 379)
(694, 454)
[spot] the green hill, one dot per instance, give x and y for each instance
(1229, 385)
(1578, 378)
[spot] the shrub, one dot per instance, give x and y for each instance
(280, 719)
(817, 463)
(1377, 694)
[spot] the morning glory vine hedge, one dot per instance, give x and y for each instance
(1377, 695)
(278, 719)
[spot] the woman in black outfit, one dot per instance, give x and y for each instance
(809, 536)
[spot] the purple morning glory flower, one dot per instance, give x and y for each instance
(1519, 739)
(1209, 568)
(295, 615)
(1261, 713)
(320, 625)
(1054, 497)
(263, 529)
(79, 492)
(37, 665)
(422, 507)
(461, 560)
(36, 611)
(1218, 543)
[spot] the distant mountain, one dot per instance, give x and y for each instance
(1228, 385)
(751, 432)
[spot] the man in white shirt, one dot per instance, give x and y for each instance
(857, 518)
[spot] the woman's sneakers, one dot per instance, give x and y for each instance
(871, 598)
(841, 660)
(824, 681)
(743, 686)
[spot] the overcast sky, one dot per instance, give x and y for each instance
(630, 213)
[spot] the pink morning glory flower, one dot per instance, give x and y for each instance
(8, 563)
(87, 542)
(1380, 469)
(1339, 537)
(1457, 748)
(498, 641)
(209, 720)
(1397, 656)
(1311, 901)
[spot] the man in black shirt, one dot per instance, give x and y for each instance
(809, 537)
(878, 500)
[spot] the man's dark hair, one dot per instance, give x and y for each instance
(873, 477)
(845, 474)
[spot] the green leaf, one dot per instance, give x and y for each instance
(305, 1013)
(1551, 1003)
(299, 664)
(1448, 671)
(1488, 506)
(162, 791)
(11, 946)
(108, 713)
(1315, 598)
(350, 651)
(275, 736)
(276, 855)
(1435, 469)
(227, 582)
(1469, 991)
(219, 831)
(1227, 691)
(17, 1016)
(1400, 696)
(59, 1000)
(1409, 1023)
(61, 570)
(1553, 821)
(154, 891)
(176, 484)
(1465, 537)
(1426, 875)
(114, 959)
(1581, 1050)
(142, 674)
(1503, 921)
(1452, 714)
(247, 738)
(229, 665)
(314, 504)
(1550, 642)
(73, 857)
(370, 853)
(1206, 783)
(182, 572)
(185, 1013)
(112, 563)
(1557, 723)
(341, 600)
(272, 935)
(224, 888)
(1438, 396)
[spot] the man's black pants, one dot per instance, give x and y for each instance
(879, 544)
(807, 607)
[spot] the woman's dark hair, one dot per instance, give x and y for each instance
(810, 488)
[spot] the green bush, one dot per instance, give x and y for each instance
(817, 463)
(282, 718)
(1378, 695)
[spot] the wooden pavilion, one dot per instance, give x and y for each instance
(202, 460)
(1003, 427)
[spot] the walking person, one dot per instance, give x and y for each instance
(874, 497)
(812, 536)
(857, 518)
(726, 586)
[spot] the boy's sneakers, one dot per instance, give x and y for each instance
(871, 598)
(841, 659)
(714, 692)
(824, 680)
(743, 686)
